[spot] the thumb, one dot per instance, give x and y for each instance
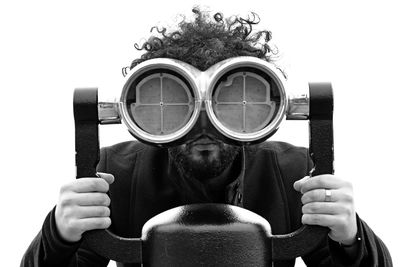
(108, 177)
(299, 183)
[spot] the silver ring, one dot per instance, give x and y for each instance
(328, 195)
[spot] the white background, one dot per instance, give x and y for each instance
(48, 48)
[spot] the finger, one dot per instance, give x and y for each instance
(326, 220)
(92, 211)
(326, 181)
(319, 195)
(108, 177)
(92, 199)
(90, 184)
(298, 184)
(322, 208)
(94, 223)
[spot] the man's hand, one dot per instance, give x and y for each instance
(82, 206)
(335, 211)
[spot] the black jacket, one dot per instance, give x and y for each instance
(146, 184)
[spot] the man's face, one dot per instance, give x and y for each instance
(203, 157)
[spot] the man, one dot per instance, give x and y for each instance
(143, 181)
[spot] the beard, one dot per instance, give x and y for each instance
(203, 161)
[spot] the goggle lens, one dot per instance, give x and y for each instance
(162, 104)
(242, 102)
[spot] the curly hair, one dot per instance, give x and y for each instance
(207, 40)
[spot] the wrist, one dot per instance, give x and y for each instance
(350, 244)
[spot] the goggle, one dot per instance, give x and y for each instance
(244, 99)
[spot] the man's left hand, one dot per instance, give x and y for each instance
(328, 201)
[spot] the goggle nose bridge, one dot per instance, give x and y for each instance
(203, 82)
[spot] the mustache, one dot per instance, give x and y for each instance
(203, 135)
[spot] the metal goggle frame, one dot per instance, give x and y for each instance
(244, 98)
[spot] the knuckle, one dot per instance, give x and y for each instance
(92, 184)
(308, 219)
(107, 212)
(83, 226)
(104, 212)
(319, 182)
(313, 208)
(86, 225)
(98, 223)
(304, 198)
(66, 200)
(310, 196)
(67, 213)
(102, 199)
(74, 226)
(309, 208)
(348, 211)
(62, 189)
(307, 197)
(348, 184)
(65, 188)
(315, 219)
(350, 188)
(315, 195)
(348, 197)
(338, 179)
(102, 223)
(304, 209)
(106, 200)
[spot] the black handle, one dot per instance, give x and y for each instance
(87, 150)
(86, 132)
(307, 238)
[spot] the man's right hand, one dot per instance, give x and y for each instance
(82, 206)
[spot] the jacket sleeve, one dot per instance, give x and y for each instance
(49, 249)
(371, 251)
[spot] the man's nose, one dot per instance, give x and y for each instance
(204, 121)
(204, 125)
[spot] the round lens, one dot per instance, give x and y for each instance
(161, 103)
(245, 102)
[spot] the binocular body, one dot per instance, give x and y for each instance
(243, 101)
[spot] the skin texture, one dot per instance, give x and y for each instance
(82, 206)
(203, 158)
(338, 214)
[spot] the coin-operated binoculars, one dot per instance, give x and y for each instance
(244, 101)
